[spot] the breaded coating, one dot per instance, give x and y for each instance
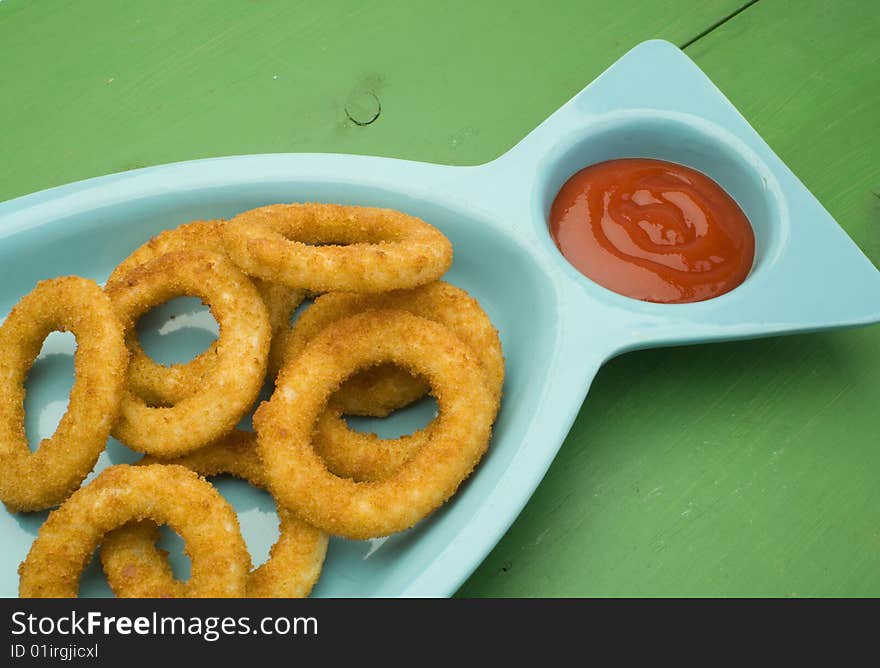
(171, 495)
(136, 568)
(229, 388)
(298, 476)
(328, 247)
(166, 385)
(42, 479)
(361, 456)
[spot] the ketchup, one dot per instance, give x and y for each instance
(653, 230)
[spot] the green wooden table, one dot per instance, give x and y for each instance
(734, 469)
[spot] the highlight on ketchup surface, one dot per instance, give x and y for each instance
(652, 230)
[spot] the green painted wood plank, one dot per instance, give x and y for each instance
(747, 468)
(97, 87)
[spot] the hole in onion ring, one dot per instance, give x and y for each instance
(47, 386)
(177, 331)
(95, 582)
(256, 514)
(92, 582)
(172, 543)
(297, 312)
(401, 422)
(356, 237)
(257, 517)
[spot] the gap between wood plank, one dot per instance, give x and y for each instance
(718, 24)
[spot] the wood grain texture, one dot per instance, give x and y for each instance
(745, 468)
(735, 469)
(98, 87)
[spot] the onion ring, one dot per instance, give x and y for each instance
(44, 478)
(298, 476)
(229, 389)
(135, 567)
(361, 456)
(167, 385)
(170, 495)
(366, 249)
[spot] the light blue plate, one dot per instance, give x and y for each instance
(557, 327)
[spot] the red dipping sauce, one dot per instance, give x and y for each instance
(653, 230)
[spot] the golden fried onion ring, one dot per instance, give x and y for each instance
(326, 247)
(298, 476)
(171, 495)
(136, 568)
(229, 389)
(361, 456)
(39, 480)
(167, 385)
